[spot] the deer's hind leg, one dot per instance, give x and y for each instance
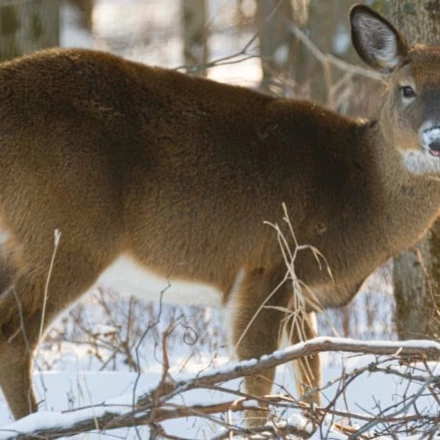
(258, 315)
(21, 318)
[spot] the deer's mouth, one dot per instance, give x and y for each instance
(435, 151)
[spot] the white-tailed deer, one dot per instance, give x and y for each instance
(148, 172)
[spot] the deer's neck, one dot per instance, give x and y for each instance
(388, 209)
(407, 201)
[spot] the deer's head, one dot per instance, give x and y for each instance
(410, 117)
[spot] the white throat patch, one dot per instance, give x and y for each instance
(420, 162)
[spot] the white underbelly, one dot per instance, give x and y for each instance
(127, 276)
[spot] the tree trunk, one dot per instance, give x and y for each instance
(194, 34)
(28, 26)
(417, 271)
(276, 41)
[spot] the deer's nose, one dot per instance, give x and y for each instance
(429, 137)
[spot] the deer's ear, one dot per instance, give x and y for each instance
(376, 41)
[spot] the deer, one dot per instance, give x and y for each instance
(152, 176)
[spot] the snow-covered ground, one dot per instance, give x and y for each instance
(371, 393)
(82, 363)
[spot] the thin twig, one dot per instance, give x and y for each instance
(57, 237)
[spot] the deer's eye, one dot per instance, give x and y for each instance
(407, 92)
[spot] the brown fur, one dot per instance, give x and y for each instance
(180, 173)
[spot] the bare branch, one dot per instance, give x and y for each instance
(155, 406)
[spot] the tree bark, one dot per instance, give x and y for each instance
(194, 33)
(28, 26)
(417, 271)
